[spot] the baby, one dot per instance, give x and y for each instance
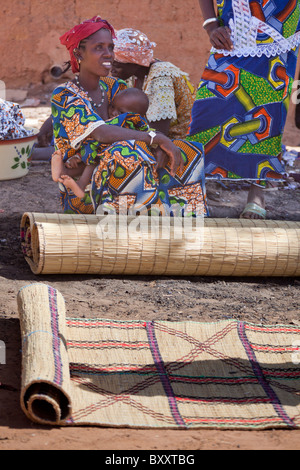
(131, 100)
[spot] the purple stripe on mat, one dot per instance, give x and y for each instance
(274, 400)
(58, 376)
(163, 374)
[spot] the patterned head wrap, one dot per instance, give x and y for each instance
(71, 39)
(133, 47)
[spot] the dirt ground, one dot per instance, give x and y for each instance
(257, 300)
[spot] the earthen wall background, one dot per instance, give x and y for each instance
(30, 30)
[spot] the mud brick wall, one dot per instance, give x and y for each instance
(30, 31)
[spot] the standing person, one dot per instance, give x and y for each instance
(242, 100)
(125, 167)
(170, 93)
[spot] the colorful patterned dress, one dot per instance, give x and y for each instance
(242, 100)
(125, 176)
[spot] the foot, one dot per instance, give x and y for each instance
(57, 165)
(253, 211)
(70, 183)
(255, 207)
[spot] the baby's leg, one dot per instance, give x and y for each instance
(57, 165)
(70, 183)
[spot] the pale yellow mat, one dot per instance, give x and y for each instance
(155, 374)
(112, 245)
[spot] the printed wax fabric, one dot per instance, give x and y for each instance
(74, 118)
(12, 121)
(242, 100)
(125, 172)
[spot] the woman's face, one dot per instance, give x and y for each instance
(97, 53)
(123, 71)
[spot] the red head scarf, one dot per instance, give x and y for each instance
(71, 39)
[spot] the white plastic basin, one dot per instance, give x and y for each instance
(15, 156)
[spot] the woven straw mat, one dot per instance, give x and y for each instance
(157, 374)
(113, 245)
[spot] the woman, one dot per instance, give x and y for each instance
(125, 167)
(242, 100)
(170, 93)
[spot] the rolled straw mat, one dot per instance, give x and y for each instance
(155, 374)
(91, 244)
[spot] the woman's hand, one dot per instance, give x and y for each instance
(161, 158)
(219, 36)
(168, 153)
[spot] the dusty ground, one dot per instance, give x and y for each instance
(201, 299)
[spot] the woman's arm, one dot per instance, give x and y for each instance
(46, 133)
(109, 134)
(207, 8)
(219, 35)
(163, 125)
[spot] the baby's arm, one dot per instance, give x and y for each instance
(73, 161)
(86, 176)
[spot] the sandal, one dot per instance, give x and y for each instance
(255, 209)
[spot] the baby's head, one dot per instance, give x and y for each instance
(131, 100)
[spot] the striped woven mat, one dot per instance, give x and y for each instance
(158, 374)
